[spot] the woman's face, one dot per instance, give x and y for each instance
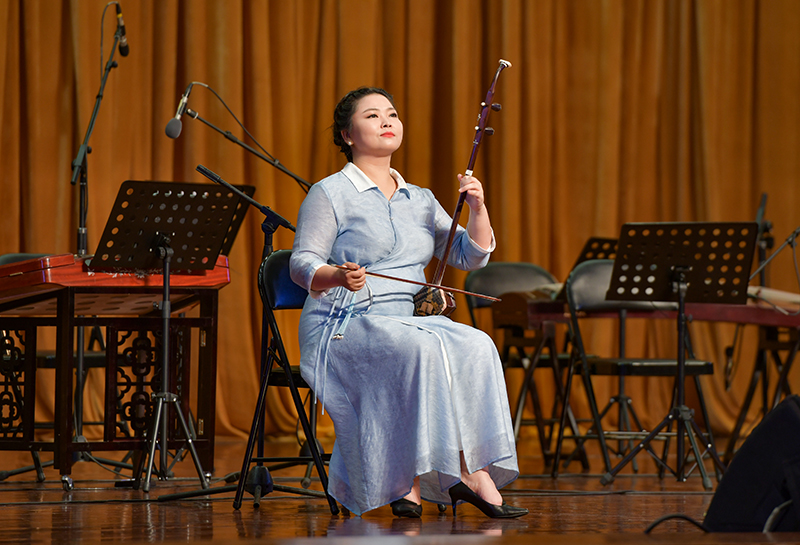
(376, 129)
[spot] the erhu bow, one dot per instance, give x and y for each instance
(407, 281)
(432, 299)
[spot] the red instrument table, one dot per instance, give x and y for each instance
(62, 292)
(527, 310)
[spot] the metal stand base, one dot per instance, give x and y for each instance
(161, 399)
(683, 417)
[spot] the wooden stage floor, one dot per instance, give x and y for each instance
(572, 509)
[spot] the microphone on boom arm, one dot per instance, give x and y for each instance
(123, 40)
(175, 124)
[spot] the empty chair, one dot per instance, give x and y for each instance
(586, 291)
(520, 349)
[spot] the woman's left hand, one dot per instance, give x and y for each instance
(472, 186)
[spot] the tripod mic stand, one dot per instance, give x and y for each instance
(702, 262)
(163, 250)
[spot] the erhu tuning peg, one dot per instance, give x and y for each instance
(496, 107)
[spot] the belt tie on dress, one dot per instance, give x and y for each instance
(348, 299)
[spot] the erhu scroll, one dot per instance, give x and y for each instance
(433, 300)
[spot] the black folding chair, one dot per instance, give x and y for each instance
(279, 292)
(586, 291)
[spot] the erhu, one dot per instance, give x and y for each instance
(432, 299)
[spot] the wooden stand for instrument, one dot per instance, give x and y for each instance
(151, 226)
(695, 262)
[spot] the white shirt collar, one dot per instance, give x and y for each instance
(362, 182)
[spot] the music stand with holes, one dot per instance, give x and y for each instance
(594, 248)
(238, 217)
(697, 262)
(166, 226)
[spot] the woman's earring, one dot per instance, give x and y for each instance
(349, 143)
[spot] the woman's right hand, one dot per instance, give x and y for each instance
(353, 277)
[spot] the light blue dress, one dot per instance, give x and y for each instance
(406, 393)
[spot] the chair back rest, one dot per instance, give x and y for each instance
(278, 290)
(501, 277)
(587, 285)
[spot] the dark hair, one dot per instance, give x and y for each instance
(343, 115)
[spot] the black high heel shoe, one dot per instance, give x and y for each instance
(462, 492)
(406, 508)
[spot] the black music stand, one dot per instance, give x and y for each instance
(594, 248)
(247, 192)
(152, 226)
(698, 262)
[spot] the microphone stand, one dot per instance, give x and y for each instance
(274, 162)
(790, 239)
(79, 164)
(272, 220)
(765, 239)
(259, 478)
(79, 171)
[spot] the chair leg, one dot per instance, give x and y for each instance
(264, 484)
(305, 450)
(538, 415)
(311, 437)
(594, 428)
(523, 394)
(254, 431)
(758, 371)
(529, 386)
(561, 395)
(565, 405)
(546, 426)
(709, 435)
(565, 410)
(587, 382)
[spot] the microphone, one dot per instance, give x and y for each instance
(123, 40)
(175, 125)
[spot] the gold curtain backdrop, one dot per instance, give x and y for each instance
(614, 111)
